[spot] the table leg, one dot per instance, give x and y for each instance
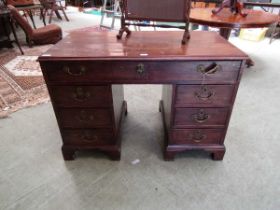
(43, 16)
(58, 15)
(225, 32)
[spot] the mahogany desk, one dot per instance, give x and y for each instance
(85, 74)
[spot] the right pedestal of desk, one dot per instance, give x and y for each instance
(196, 114)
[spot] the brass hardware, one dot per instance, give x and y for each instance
(197, 136)
(204, 93)
(80, 72)
(89, 137)
(80, 95)
(211, 69)
(84, 117)
(140, 68)
(201, 116)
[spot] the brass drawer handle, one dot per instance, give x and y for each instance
(201, 116)
(204, 93)
(140, 68)
(89, 137)
(80, 72)
(211, 69)
(81, 95)
(84, 117)
(197, 136)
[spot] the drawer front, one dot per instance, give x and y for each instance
(200, 117)
(204, 95)
(85, 118)
(194, 72)
(141, 71)
(87, 137)
(81, 96)
(197, 136)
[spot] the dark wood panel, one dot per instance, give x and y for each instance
(197, 136)
(85, 118)
(200, 117)
(204, 95)
(81, 96)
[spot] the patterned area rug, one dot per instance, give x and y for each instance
(21, 81)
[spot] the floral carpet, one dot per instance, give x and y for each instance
(21, 80)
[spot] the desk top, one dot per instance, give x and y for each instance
(148, 45)
(225, 18)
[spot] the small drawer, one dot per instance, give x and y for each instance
(190, 117)
(84, 118)
(87, 137)
(204, 95)
(81, 96)
(141, 71)
(197, 136)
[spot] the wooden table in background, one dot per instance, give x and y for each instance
(226, 21)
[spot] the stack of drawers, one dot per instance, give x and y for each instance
(200, 110)
(87, 114)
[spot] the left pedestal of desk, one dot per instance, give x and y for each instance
(89, 115)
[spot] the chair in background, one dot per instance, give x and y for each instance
(53, 7)
(28, 7)
(49, 34)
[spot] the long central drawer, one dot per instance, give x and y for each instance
(142, 71)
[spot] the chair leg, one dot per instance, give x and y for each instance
(43, 15)
(273, 33)
(57, 14)
(64, 13)
(31, 18)
(50, 18)
(15, 36)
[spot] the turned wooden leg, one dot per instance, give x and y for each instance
(225, 32)
(68, 154)
(114, 155)
(169, 156)
(218, 155)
